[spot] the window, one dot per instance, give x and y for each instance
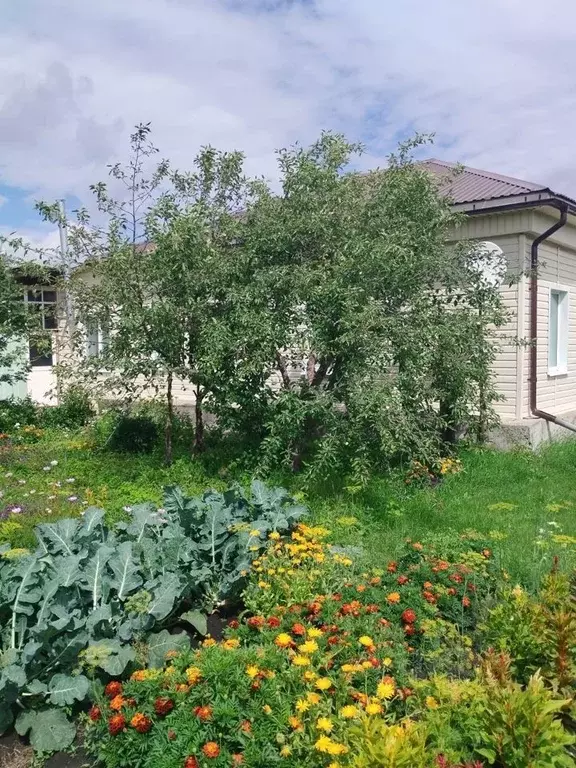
(558, 333)
(44, 303)
(96, 340)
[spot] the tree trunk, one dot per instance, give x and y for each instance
(168, 429)
(199, 417)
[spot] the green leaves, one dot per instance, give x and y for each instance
(161, 643)
(49, 729)
(65, 689)
(125, 569)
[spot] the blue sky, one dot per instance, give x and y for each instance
(492, 78)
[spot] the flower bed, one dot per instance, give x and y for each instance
(336, 666)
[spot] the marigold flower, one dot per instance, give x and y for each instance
(286, 751)
(300, 661)
(209, 642)
(324, 724)
(273, 622)
(171, 734)
(193, 675)
(386, 688)
(314, 632)
(252, 671)
(211, 749)
(117, 703)
(366, 641)
(256, 622)
(374, 708)
(298, 629)
(313, 698)
(393, 597)
(466, 601)
(237, 759)
(302, 705)
(191, 762)
(94, 714)
(325, 744)
(392, 567)
(310, 675)
(113, 689)
(233, 624)
(267, 709)
(408, 616)
(231, 643)
(162, 706)
(116, 724)
(141, 723)
(348, 712)
(203, 713)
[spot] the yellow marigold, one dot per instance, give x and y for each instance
(209, 642)
(302, 705)
(286, 751)
(334, 764)
(324, 724)
(348, 668)
(323, 683)
(386, 688)
(366, 641)
(373, 708)
(267, 709)
(295, 723)
(393, 597)
(366, 665)
(314, 632)
(301, 661)
(310, 675)
(431, 702)
(283, 640)
(169, 671)
(172, 654)
(193, 674)
(139, 676)
(387, 662)
(274, 536)
(231, 643)
(252, 671)
(310, 646)
(348, 712)
(313, 698)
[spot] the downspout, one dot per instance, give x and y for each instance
(534, 322)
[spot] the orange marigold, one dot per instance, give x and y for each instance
(203, 713)
(141, 723)
(117, 703)
(393, 597)
(113, 689)
(211, 749)
(116, 724)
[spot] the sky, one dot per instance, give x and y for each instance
(493, 79)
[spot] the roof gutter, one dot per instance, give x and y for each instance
(563, 208)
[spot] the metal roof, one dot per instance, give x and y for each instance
(467, 186)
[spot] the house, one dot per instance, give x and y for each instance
(535, 229)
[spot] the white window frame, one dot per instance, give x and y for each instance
(96, 341)
(558, 356)
(42, 303)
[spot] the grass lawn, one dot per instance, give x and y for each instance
(515, 494)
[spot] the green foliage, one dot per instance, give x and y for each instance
(88, 591)
(380, 745)
(133, 434)
(73, 410)
(13, 411)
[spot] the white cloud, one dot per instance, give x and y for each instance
(492, 78)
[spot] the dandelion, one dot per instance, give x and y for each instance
(314, 632)
(301, 661)
(308, 647)
(283, 640)
(324, 724)
(386, 688)
(323, 683)
(348, 712)
(374, 708)
(302, 705)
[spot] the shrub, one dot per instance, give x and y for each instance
(77, 603)
(74, 410)
(134, 434)
(14, 412)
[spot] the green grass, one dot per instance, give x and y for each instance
(516, 494)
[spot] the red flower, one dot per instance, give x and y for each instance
(233, 625)
(372, 608)
(203, 713)
(405, 693)
(402, 580)
(237, 759)
(333, 640)
(298, 629)
(408, 616)
(273, 622)
(429, 597)
(116, 724)
(409, 629)
(171, 734)
(246, 726)
(392, 567)
(211, 749)
(256, 622)
(384, 623)
(95, 714)
(141, 723)
(466, 602)
(163, 706)
(113, 689)
(451, 591)
(456, 577)
(191, 762)
(374, 661)
(315, 608)
(336, 597)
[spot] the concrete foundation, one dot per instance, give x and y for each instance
(531, 433)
